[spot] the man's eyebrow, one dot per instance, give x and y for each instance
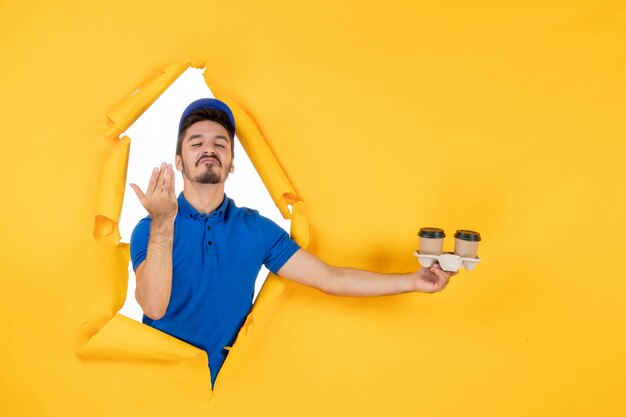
(200, 136)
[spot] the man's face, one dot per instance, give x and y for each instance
(206, 153)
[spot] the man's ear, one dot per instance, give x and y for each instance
(232, 165)
(179, 163)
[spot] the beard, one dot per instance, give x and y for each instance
(209, 176)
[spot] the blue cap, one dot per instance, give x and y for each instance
(207, 103)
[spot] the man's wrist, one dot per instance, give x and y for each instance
(160, 225)
(413, 282)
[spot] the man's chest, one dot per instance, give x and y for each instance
(216, 257)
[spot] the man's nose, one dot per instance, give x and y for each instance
(208, 149)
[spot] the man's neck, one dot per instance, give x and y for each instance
(204, 197)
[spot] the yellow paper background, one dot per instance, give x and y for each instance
(503, 117)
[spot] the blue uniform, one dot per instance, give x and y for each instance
(215, 261)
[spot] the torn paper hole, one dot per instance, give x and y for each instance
(153, 140)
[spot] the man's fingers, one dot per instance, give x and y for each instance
(161, 178)
(168, 183)
(153, 181)
(441, 274)
(172, 181)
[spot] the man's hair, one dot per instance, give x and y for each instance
(199, 115)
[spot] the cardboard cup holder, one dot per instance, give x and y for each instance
(448, 261)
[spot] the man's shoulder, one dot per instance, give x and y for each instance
(145, 222)
(234, 209)
(247, 215)
(141, 232)
(146, 219)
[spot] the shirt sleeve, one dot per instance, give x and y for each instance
(279, 247)
(139, 242)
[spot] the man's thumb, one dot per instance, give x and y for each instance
(138, 191)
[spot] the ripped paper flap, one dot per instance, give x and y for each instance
(124, 338)
(124, 114)
(112, 192)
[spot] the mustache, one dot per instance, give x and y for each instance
(212, 155)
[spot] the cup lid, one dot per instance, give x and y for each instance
(431, 233)
(467, 235)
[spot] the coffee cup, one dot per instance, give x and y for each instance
(466, 243)
(431, 241)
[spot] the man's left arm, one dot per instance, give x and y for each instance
(305, 268)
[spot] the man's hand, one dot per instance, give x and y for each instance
(160, 197)
(433, 279)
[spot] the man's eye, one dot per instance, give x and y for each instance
(220, 146)
(195, 144)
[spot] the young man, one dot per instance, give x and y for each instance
(196, 257)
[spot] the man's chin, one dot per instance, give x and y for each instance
(204, 179)
(209, 177)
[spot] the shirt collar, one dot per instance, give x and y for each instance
(187, 209)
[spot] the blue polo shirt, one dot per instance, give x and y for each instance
(215, 261)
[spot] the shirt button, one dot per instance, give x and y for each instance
(210, 243)
(208, 227)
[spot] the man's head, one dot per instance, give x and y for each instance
(205, 146)
(206, 109)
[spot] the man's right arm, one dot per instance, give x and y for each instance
(154, 274)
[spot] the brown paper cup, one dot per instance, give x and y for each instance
(466, 243)
(431, 241)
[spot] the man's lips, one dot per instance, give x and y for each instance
(206, 159)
